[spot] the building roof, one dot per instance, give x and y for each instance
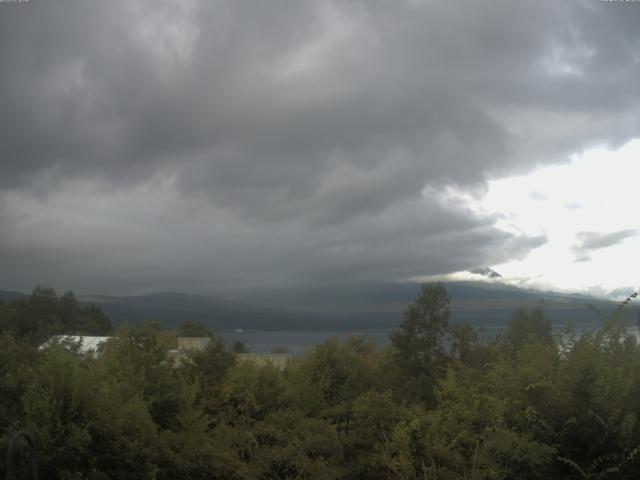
(193, 343)
(87, 343)
(278, 360)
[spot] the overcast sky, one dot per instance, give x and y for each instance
(209, 146)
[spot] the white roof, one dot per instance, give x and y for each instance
(87, 343)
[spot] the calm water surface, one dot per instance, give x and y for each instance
(297, 342)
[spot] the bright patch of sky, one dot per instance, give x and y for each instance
(588, 211)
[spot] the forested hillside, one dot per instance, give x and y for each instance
(334, 307)
(44, 313)
(436, 403)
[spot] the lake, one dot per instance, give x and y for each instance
(297, 342)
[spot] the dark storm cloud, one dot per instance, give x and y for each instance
(289, 140)
(194, 247)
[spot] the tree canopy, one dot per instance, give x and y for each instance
(44, 313)
(523, 405)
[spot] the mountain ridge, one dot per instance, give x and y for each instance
(365, 306)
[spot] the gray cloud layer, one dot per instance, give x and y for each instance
(589, 241)
(198, 144)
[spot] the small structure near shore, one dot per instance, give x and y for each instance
(85, 344)
(186, 344)
(93, 345)
(278, 360)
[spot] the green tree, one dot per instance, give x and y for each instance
(239, 347)
(207, 368)
(332, 376)
(93, 321)
(294, 446)
(250, 393)
(86, 420)
(193, 329)
(464, 342)
(527, 327)
(36, 318)
(43, 314)
(418, 341)
(279, 349)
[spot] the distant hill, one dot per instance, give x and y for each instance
(7, 296)
(172, 308)
(480, 303)
(366, 306)
(350, 307)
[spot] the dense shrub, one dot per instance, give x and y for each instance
(524, 405)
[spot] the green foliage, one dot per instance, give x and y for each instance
(16, 363)
(464, 343)
(207, 369)
(85, 420)
(418, 341)
(527, 327)
(44, 313)
(193, 329)
(239, 347)
(437, 403)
